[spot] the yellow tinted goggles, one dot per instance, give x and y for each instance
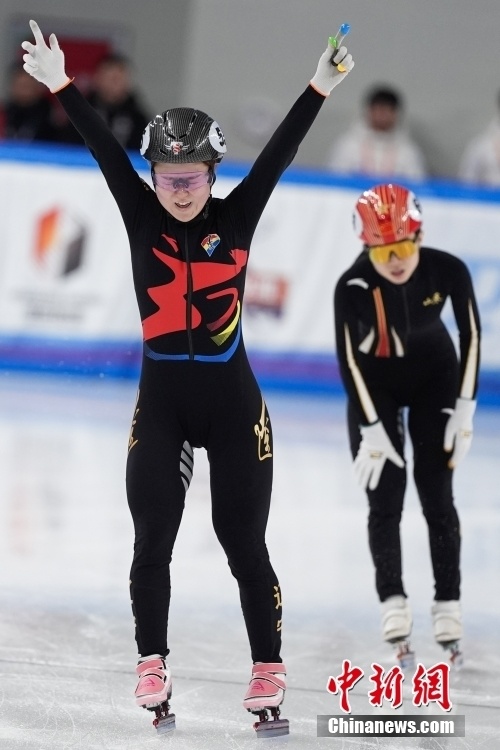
(382, 253)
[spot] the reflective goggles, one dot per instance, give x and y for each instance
(173, 181)
(382, 253)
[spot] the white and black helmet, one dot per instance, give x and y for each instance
(183, 135)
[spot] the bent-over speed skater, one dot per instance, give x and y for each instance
(400, 369)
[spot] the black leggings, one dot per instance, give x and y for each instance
(433, 479)
(180, 406)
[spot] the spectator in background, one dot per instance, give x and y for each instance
(378, 144)
(112, 96)
(27, 112)
(480, 162)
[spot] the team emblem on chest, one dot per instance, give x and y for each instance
(210, 243)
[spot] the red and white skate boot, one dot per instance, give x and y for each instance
(154, 690)
(264, 696)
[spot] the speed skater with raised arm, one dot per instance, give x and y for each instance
(189, 255)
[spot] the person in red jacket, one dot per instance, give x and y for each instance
(397, 360)
(189, 258)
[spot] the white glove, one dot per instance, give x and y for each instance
(46, 64)
(327, 75)
(458, 431)
(375, 449)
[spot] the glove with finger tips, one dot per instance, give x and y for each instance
(44, 63)
(459, 430)
(375, 449)
(328, 75)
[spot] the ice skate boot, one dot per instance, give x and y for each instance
(264, 696)
(447, 626)
(396, 629)
(154, 690)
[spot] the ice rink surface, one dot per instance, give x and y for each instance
(67, 652)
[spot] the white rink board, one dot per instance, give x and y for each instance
(304, 242)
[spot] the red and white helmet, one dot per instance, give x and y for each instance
(385, 214)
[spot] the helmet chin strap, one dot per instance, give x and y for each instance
(207, 206)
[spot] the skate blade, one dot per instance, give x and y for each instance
(164, 721)
(455, 656)
(165, 724)
(407, 661)
(272, 728)
(404, 654)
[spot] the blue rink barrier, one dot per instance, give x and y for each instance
(117, 359)
(79, 157)
(284, 371)
(319, 373)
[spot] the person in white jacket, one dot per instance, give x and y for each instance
(378, 145)
(480, 163)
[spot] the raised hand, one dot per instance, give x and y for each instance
(44, 63)
(333, 66)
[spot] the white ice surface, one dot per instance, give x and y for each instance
(67, 653)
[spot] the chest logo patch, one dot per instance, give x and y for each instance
(210, 243)
(434, 299)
